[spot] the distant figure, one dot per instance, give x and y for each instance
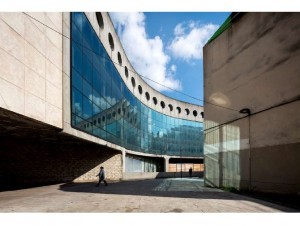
(101, 176)
(190, 171)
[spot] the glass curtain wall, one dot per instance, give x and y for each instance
(103, 106)
(143, 164)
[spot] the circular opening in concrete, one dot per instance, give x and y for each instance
(111, 41)
(140, 89)
(133, 81)
(147, 96)
(178, 110)
(100, 20)
(171, 107)
(162, 104)
(155, 100)
(202, 114)
(126, 72)
(119, 58)
(195, 113)
(187, 111)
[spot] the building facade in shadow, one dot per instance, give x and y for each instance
(251, 71)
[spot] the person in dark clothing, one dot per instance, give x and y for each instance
(101, 176)
(190, 171)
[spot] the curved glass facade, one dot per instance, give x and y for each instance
(103, 106)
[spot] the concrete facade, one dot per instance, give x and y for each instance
(254, 65)
(35, 101)
(31, 65)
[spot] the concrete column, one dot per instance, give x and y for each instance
(166, 169)
(123, 160)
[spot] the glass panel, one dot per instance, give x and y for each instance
(102, 105)
(76, 80)
(76, 57)
(76, 102)
(87, 109)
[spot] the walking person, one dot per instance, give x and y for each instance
(190, 171)
(101, 176)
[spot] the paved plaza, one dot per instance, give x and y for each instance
(173, 195)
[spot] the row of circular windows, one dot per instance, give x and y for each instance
(112, 46)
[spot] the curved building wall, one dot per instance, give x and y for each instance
(102, 104)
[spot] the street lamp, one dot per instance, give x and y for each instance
(248, 112)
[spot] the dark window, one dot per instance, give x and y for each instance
(126, 72)
(187, 111)
(111, 41)
(133, 81)
(119, 58)
(155, 100)
(202, 114)
(147, 96)
(178, 110)
(140, 89)
(100, 20)
(162, 104)
(170, 107)
(195, 113)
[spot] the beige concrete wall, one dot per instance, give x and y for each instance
(254, 64)
(31, 65)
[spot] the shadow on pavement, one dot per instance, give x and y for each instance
(151, 187)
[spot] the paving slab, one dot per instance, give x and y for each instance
(174, 195)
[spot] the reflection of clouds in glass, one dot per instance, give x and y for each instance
(101, 102)
(77, 108)
(77, 19)
(120, 118)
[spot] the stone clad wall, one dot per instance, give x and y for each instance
(112, 166)
(35, 162)
(31, 65)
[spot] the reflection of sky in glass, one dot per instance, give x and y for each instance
(103, 106)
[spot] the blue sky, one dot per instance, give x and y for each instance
(167, 47)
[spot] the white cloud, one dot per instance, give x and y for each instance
(190, 39)
(147, 55)
(178, 30)
(173, 68)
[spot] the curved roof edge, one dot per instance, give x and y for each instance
(163, 104)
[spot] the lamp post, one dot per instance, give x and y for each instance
(248, 112)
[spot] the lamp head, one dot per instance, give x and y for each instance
(245, 111)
